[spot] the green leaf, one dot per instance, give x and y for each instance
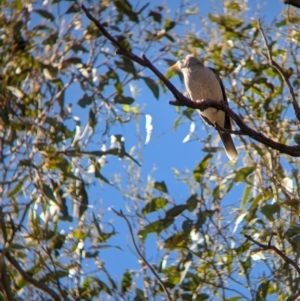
(48, 192)
(192, 202)
(42, 27)
(262, 291)
(188, 113)
(17, 188)
(85, 100)
(176, 123)
(152, 85)
(270, 210)
(176, 241)
(74, 8)
(124, 7)
(51, 39)
(187, 227)
(92, 119)
(254, 206)
(124, 42)
(139, 295)
(297, 139)
(227, 21)
(154, 205)
(156, 16)
(173, 276)
(97, 172)
(243, 173)
(161, 186)
(175, 211)
(126, 282)
(169, 24)
(156, 226)
(100, 284)
(126, 64)
(45, 14)
(199, 297)
(201, 219)
(78, 47)
(198, 43)
(57, 241)
(83, 197)
(201, 168)
(123, 99)
(58, 162)
(71, 61)
(281, 23)
(18, 4)
(246, 195)
(233, 6)
(79, 234)
(102, 236)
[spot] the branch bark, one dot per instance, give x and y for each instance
(295, 3)
(280, 253)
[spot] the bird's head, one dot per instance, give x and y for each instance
(188, 62)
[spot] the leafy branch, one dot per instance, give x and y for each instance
(281, 72)
(30, 279)
(181, 100)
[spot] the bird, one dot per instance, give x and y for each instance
(204, 83)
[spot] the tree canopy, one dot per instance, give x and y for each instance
(90, 120)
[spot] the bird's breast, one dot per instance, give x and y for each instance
(203, 84)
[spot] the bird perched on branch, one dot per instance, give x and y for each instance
(204, 83)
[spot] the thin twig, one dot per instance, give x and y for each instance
(281, 72)
(121, 214)
(280, 253)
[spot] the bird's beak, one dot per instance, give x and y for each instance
(174, 67)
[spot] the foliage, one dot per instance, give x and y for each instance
(69, 106)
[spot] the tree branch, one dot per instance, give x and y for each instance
(293, 151)
(181, 100)
(295, 3)
(31, 280)
(143, 61)
(270, 247)
(5, 286)
(281, 72)
(121, 214)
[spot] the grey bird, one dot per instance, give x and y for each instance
(204, 83)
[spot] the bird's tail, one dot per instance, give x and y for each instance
(229, 145)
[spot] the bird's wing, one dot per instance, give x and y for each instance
(227, 124)
(226, 137)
